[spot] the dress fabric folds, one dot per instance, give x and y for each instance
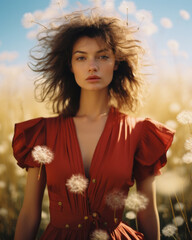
(128, 149)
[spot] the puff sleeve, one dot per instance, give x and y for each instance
(155, 140)
(27, 135)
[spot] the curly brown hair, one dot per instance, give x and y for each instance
(52, 60)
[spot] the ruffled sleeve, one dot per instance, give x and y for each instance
(155, 140)
(27, 135)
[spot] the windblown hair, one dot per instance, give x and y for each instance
(52, 60)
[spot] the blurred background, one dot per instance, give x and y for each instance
(164, 28)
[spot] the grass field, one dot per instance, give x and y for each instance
(164, 102)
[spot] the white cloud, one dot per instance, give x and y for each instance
(184, 14)
(32, 34)
(8, 56)
(149, 28)
(173, 45)
(144, 15)
(96, 3)
(109, 5)
(127, 5)
(166, 23)
(59, 3)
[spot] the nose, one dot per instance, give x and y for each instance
(93, 66)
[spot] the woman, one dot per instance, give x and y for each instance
(89, 70)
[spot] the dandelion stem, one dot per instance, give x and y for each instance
(39, 174)
(40, 24)
(174, 237)
(136, 223)
(173, 213)
(185, 218)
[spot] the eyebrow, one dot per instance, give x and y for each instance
(100, 51)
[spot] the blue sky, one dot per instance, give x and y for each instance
(167, 41)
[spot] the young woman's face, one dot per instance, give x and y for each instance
(92, 63)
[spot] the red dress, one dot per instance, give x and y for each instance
(129, 148)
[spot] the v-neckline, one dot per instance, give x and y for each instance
(96, 147)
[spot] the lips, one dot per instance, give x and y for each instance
(93, 77)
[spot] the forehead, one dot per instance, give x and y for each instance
(86, 43)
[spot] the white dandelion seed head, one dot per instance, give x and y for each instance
(2, 168)
(136, 202)
(99, 234)
(171, 124)
(3, 212)
(184, 117)
(130, 215)
(4, 146)
(28, 20)
(170, 183)
(174, 107)
(176, 160)
(115, 199)
(42, 154)
(187, 158)
(188, 144)
(179, 206)
(178, 221)
(2, 184)
(169, 230)
(162, 208)
(77, 183)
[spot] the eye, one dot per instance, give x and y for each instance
(103, 57)
(80, 58)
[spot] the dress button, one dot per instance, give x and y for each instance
(86, 217)
(93, 180)
(60, 203)
(115, 220)
(79, 225)
(67, 225)
(94, 214)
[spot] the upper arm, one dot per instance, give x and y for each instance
(34, 190)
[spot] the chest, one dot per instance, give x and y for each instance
(88, 135)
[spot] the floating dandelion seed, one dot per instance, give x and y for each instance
(77, 183)
(169, 230)
(130, 215)
(178, 221)
(136, 202)
(170, 183)
(187, 158)
(184, 117)
(99, 234)
(42, 155)
(188, 144)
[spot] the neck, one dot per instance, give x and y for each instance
(93, 103)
